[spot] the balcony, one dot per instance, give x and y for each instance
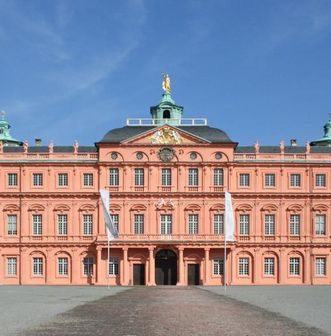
(166, 237)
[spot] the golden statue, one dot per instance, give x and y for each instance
(166, 83)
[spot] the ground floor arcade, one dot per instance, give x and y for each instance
(165, 264)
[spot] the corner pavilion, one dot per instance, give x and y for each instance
(166, 177)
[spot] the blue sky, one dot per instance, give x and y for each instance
(260, 70)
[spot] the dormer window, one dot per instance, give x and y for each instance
(166, 114)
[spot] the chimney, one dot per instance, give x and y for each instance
(294, 142)
(37, 142)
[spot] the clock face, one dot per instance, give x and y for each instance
(166, 154)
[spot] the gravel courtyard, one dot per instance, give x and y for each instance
(141, 311)
(25, 306)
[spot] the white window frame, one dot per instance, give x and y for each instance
(294, 266)
(244, 179)
(244, 224)
(320, 224)
(62, 180)
(218, 223)
(320, 266)
(138, 223)
(113, 177)
(320, 180)
(113, 266)
(63, 266)
(166, 178)
(193, 177)
(193, 224)
(295, 224)
(37, 266)
(37, 179)
(218, 177)
(88, 263)
(87, 179)
(11, 266)
(243, 264)
(269, 224)
(269, 266)
(115, 218)
(166, 224)
(37, 224)
(87, 224)
(218, 266)
(12, 225)
(139, 177)
(295, 180)
(12, 179)
(62, 224)
(270, 180)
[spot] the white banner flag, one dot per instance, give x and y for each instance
(111, 230)
(229, 218)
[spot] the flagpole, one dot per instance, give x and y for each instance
(224, 255)
(108, 258)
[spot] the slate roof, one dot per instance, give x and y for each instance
(211, 134)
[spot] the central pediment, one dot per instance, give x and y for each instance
(166, 135)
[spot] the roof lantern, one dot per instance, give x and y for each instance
(5, 137)
(326, 139)
(167, 112)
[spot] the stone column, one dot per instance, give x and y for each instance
(98, 263)
(207, 266)
(151, 275)
(125, 267)
(181, 267)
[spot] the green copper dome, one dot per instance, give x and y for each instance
(326, 139)
(5, 136)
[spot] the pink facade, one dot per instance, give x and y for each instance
(169, 212)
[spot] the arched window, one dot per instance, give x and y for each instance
(166, 114)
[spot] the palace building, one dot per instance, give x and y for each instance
(166, 177)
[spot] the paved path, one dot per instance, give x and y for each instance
(160, 311)
(25, 306)
(307, 304)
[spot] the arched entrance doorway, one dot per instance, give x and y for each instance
(166, 268)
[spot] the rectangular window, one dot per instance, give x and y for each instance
(244, 224)
(139, 177)
(37, 179)
(218, 223)
(37, 225)
(269, 266)
(12, 179)
(115, 219)
(320, 221)
(269, 180)
(62, 224)
(218, 177)
(295, 180)
(269, 225)
(63, 266)
(37, 266)
(295, 225)
(166, 177)
(193, 177)
(12, 225)
(294, 266)
(193, 224)
(88, 266)
(320, 180)
(87, 224)
(113, 177)
(320, 266)
(139, 224)
(11, 266)
(63, 180)
(243, 266)
(113, 268)
(88, 180)
(244, 180)
(218, 266)
(166, 224)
